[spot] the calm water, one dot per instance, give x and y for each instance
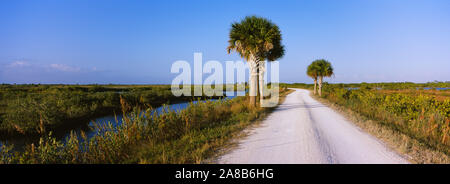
(436, 88)
(89, 130)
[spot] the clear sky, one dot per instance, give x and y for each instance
(130, 41)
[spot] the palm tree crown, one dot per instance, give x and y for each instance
(317, 70)
(325, 68)
(313, 71)
(256, 37)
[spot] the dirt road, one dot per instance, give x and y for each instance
(303, 130)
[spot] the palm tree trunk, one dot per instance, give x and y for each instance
(257, 84)
(261, 69)
(253, 81)
(315, 85)
(320, 85)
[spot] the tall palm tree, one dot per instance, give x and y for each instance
(325, 70)
(256, 39)
(312, 72)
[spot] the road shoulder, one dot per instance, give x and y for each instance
(233, 143)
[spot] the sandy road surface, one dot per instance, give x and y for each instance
(302, 130)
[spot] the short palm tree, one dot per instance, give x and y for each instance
(256, 39)
(324, 70)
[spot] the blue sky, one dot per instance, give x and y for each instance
(119, 41)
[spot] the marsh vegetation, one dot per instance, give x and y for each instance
(32, 110)
(148, 136)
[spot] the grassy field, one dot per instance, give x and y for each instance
(188, 136)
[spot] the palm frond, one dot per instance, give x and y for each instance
(255, 37)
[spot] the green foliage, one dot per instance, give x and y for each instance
(256, 37)
(317, 70)
(313, 71)
(321, 68)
